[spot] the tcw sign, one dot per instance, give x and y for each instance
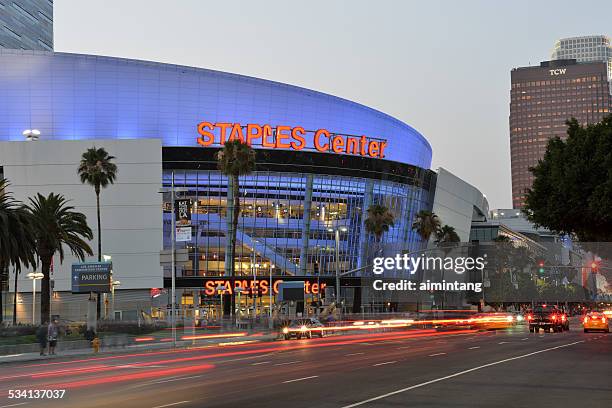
(558, 71)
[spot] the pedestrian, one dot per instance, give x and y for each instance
(52, 334)
(41, 336)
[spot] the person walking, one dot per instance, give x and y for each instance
(41, 336)
(52, 334)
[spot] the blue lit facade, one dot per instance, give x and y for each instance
(294, 200)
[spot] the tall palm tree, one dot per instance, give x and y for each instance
(234, 160)
(447, 237)
(56, 225)
(16, 240)
(98, 170)
(426, 223)
(379, 220)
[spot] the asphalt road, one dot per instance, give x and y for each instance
(404, 368)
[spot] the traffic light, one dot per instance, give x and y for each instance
(541, 264)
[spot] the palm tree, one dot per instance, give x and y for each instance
(97, 169)
(16, 240)
(425, 224)
(379, 220)
(447, 237)
(234, 160)
(56, 225)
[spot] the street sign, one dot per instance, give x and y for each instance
(182, 211)
(291, 291)
(183, 234)
(91, 277)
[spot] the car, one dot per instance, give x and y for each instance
(546, 317)
(595, 320)
(493, 321)
(306, 328)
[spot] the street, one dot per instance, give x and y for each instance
(419, 367)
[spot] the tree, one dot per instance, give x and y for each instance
(447, 238)
(425, 224)
(56, 225)
(97, 169)
(379, 220)
(572, 189)
(234, 160)
(16, 240)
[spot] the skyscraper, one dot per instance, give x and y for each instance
(591, 48)
(542, 98)
(26, 24)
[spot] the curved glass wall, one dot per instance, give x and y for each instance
(288, 221)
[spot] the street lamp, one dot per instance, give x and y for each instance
(270, 326)
(172, 190)
(219, 289)
(34, 276)
(31, 134)
(238, 312)
(108, 258)
(337, 235)
(114, 284)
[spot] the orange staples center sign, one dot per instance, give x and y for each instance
(287, 137)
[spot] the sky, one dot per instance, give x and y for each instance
(441, 66)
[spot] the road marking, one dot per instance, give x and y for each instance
(386, 362)
(353, 354)
(171, 404)
(288, 362)
(526, 338)
(502, 342)
(261, 362)
(175, 379)
(436, 354)
(14, 405)
(300, 379)
(457, 374)
(475, 347)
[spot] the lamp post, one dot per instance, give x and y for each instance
(270, 325)
(173, 192)
(220, 288)
(107, 258)
(336, 231)
(114, 284)
(31, 135)
(237, 313)
(34, 276)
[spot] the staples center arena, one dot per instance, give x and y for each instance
(321, 161)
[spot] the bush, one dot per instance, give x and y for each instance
(18, 330)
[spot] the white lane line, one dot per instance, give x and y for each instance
(261, 362)
(386, 362)
(171, 404)
(288, 362)
(412, 387)
(473, 348)
(300, 379)
(436, 354)
(14, 405)
(526, 338)
(353, 354)
(175, 379)
(502, 342)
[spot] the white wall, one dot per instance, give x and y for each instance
(454, 202)
(131, 209)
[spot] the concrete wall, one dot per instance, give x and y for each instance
(455, 200)
(131, 209)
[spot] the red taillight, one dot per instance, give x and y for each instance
(562, 318)
(586, 319)
(554, 317)
(529, 317)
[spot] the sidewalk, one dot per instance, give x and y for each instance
(142, 347)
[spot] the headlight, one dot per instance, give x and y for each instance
(519, 318)
(509, 318)
(303, 328)
(285, 330)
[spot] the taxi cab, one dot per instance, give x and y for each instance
(595, 320)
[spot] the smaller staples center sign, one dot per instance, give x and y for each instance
(288, 137)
